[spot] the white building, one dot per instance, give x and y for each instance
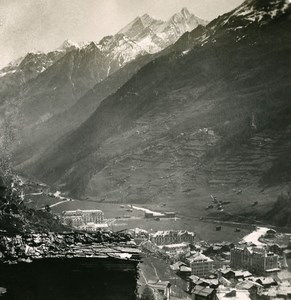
(200, 264)
(176, 249)
(172, 237)
(93, 226)
(77, 218)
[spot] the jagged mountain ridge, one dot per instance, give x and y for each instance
(17, 73)
(24, 69)
(162, 135)
(58, 84)
(154, 35)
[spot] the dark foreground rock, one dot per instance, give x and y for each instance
(69, 266)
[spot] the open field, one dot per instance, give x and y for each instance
(124, 220)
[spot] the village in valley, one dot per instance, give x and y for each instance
(177, 264)
(145, 150)
(214, 261)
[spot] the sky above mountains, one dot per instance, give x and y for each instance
(31, 25)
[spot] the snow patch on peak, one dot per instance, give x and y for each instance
(185, 11)
(154, 35)
(258, 11)
(68, 45)
(147, 20)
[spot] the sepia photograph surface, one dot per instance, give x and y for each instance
(145, 149)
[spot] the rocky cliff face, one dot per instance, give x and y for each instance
(155, 35)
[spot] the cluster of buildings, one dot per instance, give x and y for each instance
(247, 271)
(228, 284)
(172, 237)
(196, 264)
(254, 259)
(88, 220)
(253, 272)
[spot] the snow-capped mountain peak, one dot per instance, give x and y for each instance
(147, 20)
(258, 12)
(238, 23)
(141, 36)
(154, 35)
(185, 12)
(68, 45)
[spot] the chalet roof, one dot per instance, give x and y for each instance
(177, 265)
(29, 247)
(225, 271)
(194, 278)
(241, 273)
(224, 293)
(202, 291)
(158, 284)
(201, 281)
(224, 281)
(185, 269)
(265, 280)
(247, 284)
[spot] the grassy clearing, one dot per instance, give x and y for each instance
(187, 220)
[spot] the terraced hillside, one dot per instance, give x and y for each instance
(210, 116)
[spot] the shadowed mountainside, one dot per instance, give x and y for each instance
(214, 116)
(40, 137)
(66, 88)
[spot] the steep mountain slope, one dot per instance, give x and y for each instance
(16, 74)
(210, 119)
(60, 82)
(48, 105)
(44, 85)
(46, 133)
(280, 213)
(58, 88)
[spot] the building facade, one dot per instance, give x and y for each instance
(172, 237)
(78, 218)
(254, 259)
(176, 249)
(162, 287)
(201, 265)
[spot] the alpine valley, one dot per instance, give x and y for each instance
(162, 112)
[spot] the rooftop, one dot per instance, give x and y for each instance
(158, 284)
(30, 247)
(224, 293)
(202, 291)
(199, 257)
(175, 245)
(168, 232)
